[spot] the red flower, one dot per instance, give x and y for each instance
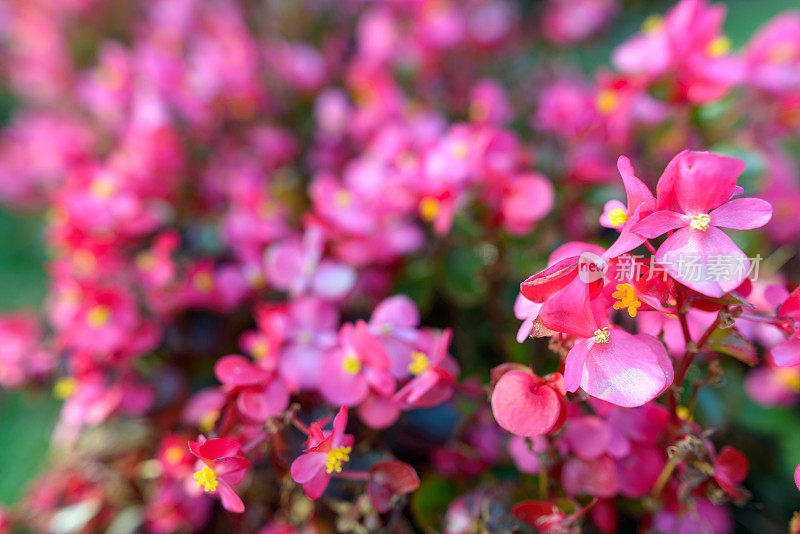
(221, 466)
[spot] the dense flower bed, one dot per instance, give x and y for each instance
(286, 238)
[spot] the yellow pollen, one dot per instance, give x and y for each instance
(617, 216)
(102, 188)
(146, 261)
(351, 364)
(607, 101)
(790, 378)
(203, 282)
(260, 350)
(419, 363)
(700, 222)
(460, 150)
(602, 336)
(683, 413)
(335, 459)
(653, 23)
(719, 46)
(64, 387)
(98, 316)
(626, 298)
(342, 199)
(206, 478)
(174, 454)
(208, 420)
(429, 208)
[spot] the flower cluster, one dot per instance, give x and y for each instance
(284, 241)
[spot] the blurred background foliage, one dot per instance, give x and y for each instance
(770, 435)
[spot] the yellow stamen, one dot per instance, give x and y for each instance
(719, 46)
(146, 261)
(174, 454)
(626, 296)
(351, 364)
(700, 222)
(98, 316)
(342, 199)
(653, 23)
(607, 101)
(602, 336)
(203, 282)
(429, 208)
(460, 150)
(64, 387)
(683, 413)
(206, 478)
(260, 350)
(617, 217)
(790, 378)
(419, 363)
(102, 188)
(335, 459)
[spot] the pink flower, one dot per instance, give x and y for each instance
(797, 476)
(434, 374)
(220, 466)
(618, 367)
(324, 455)
(730, 470)
(527, 405)
(359, 365)
(640, 202)
(259, 392)
(773, 55)
(394, 322)
(702, 185)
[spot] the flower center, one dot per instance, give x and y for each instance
(98, 316)
(203, 282)
(260, 349)
(617, 216)
(460, 150)
(174, 454)
(719, 46)
(206, 478)
(419, 363)
(102, 188)
(700, 222)
(342, 199)
(429, 208)
(626, 298)
(602, 336)
(335, 459)
(790, 378)
(64, 387)
(653, 23)
(351, 364)
(606, 101)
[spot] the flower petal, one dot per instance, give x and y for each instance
(524, 405)
(742, 214)
(658, 223)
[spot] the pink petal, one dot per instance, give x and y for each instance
(524, 405)
(398, 311)
(544, 284)
(230, 501)
(568, 311)
(594, 477)
(742, 214)
(705, 181)
(339, 386)
(260, 403)
(626, 242)
(369, 349)
(378, 412)
(588, 436)
(638, 471)
(525, 459)
(658, 223)
(214, 449)
(730, 470)
(380, 380)
(573, 369)
(625, 371)
(237, 370)
(307, 466)
(786, 353)
(702, 255)
(797, 476)
(637, 192)
(339, 426)
(333, 280)
(231, 470)
(315, 487)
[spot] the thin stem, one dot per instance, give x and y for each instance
(299, 425)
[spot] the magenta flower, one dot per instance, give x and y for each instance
(394, 322)
(618, 367)
(324, 455)
(640, 202)
(699, 255)
(260, 393)
(434, 374)
(797, 476)
(358, 365)
(527, 405)
(220, 466)
(730, 470)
